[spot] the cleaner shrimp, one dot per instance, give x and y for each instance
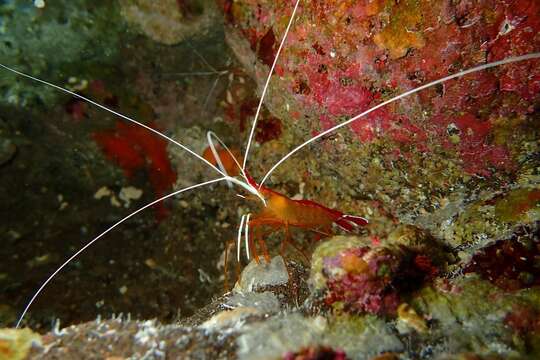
(256, 190)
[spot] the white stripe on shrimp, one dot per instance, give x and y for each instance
(247, 235)
(239, 238)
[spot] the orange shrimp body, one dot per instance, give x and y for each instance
(298, 213)
(283, 211)
(280, 211)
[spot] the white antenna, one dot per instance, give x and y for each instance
(209, 136)
(239, 238)
(247, 235)
(250, 138)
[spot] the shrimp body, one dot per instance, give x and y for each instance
(280, 210)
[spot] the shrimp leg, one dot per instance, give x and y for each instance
(288, 241)
(259, 237)
(225, 265)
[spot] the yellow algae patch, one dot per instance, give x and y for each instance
(15, 343)
(408, 316)
(518, 203)
(354, 264)
(399, 35)
(505, 128)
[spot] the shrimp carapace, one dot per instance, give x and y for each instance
(305, 214)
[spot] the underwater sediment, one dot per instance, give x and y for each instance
(449, 178)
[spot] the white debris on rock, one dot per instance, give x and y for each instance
(129, 193)
(148, 332)
(231, 320)
(40, 4)
(115, 202)
(126, 194)
(102, 192)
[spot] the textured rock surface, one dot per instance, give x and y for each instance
(170, 21)
(449, 178)
(445, 317)
(260, 275)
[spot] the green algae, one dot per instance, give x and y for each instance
(61, 41)
(490, 216)
(471, 314)
(520, 205)
(362, 336)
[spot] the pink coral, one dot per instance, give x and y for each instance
(365, 287)
(343, 57)
(316, 353)
(361, 278)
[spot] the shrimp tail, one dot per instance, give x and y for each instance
(349, 222)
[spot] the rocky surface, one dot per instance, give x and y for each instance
(437, 317)
(449, 179)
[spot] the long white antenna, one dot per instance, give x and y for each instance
(405, 94)
(210, 135)
(242, 184)
(250, 138)
(115, 113)
(101, 235)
